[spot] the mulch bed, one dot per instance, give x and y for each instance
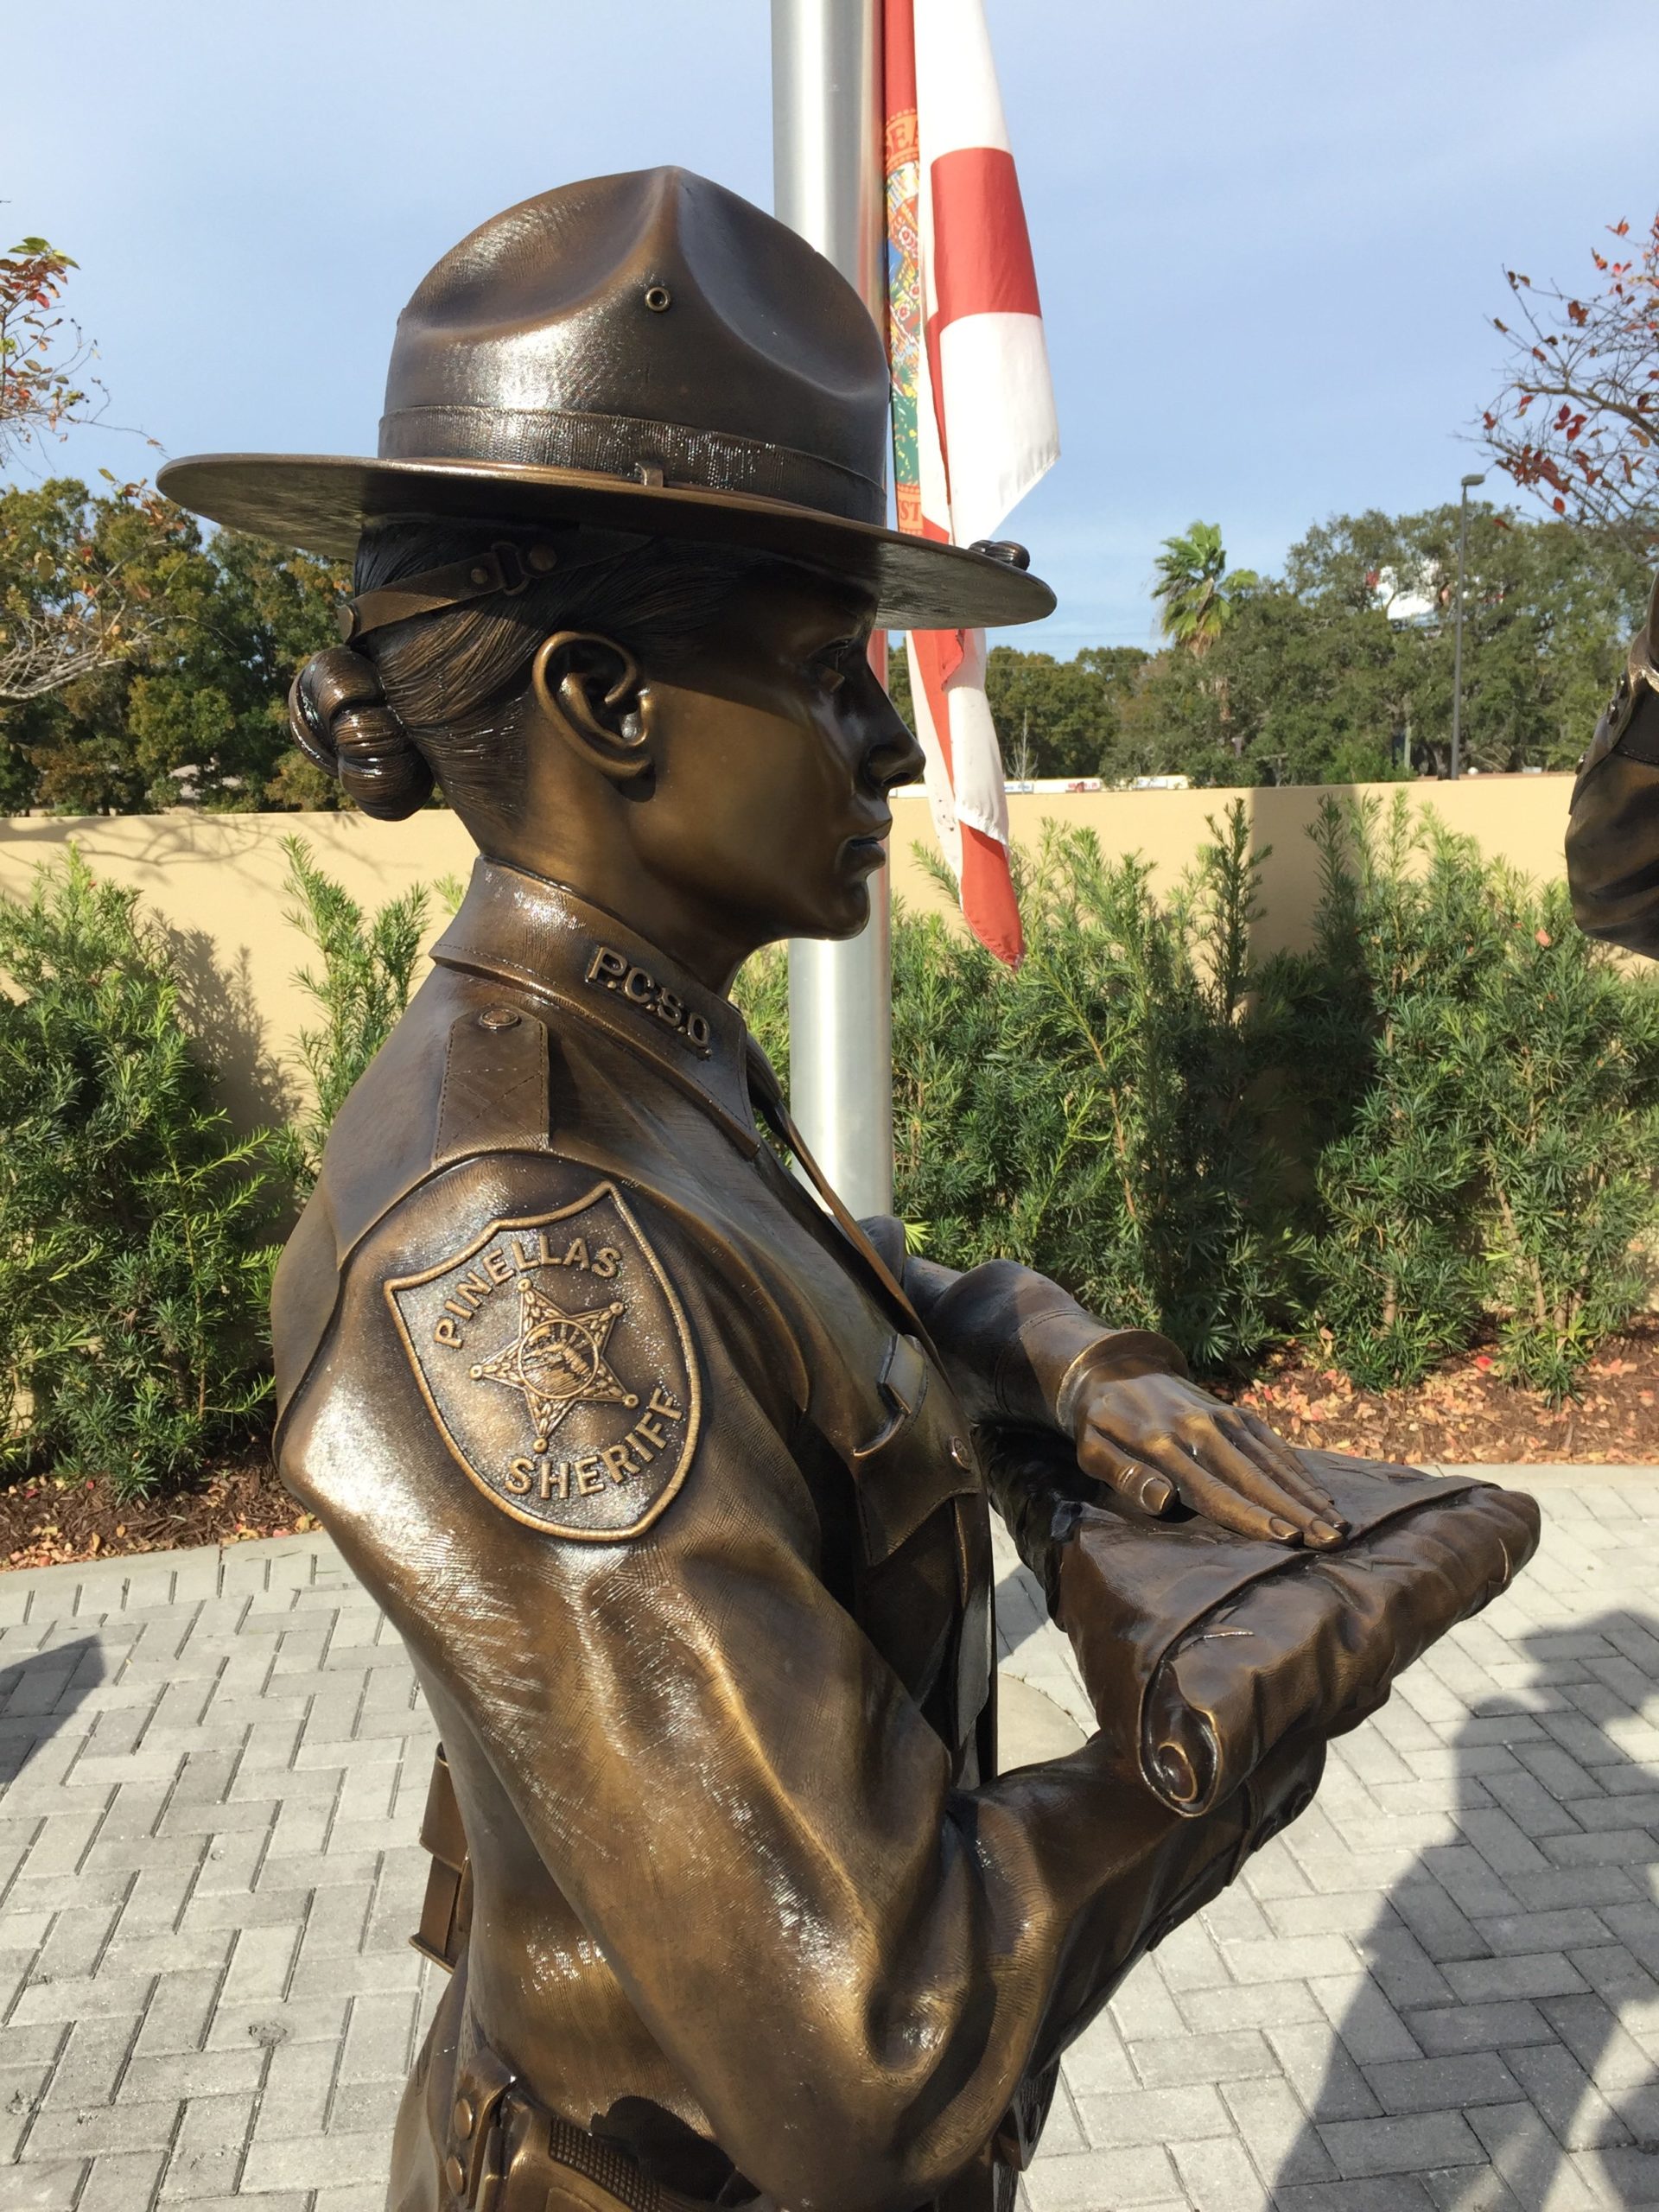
(47, 1522)
(1464, 1413)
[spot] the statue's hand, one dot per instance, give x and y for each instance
(1155, 1439)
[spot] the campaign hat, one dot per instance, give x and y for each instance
(648, 354)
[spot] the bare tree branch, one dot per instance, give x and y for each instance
(41, 651)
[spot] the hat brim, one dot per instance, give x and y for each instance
(323, 503)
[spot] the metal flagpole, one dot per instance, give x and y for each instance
(827, 184)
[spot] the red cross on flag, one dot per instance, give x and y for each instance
(973, 405)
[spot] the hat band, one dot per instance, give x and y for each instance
(628, 447)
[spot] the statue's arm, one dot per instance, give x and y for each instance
(1612, 837)
(1021, 1352)
(1018, 1348)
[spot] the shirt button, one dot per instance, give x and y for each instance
(960, 1452)
(498, 1017)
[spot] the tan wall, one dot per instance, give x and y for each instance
(1519, 818)
(216, 880)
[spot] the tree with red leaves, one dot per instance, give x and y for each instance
(43, 357)
(59, 622)
(1577, 421)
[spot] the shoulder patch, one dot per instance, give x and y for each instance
(559, 1367)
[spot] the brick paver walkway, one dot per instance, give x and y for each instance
(1437, 1990)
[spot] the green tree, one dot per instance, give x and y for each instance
(1197, 601)
(1341, 669)
(1053, 718)
(1547, 611)
(193, 704)
(1059, 718)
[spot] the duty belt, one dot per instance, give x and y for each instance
(515, 2156)
(508, 2153)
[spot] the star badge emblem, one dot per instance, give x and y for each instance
(511, 1334)
(557, 1360)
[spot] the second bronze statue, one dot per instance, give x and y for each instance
(676, 1481)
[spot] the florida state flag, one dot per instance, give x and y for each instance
(973, 405)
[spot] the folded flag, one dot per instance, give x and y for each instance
(973, 405)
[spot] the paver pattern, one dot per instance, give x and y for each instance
(1437, 1990)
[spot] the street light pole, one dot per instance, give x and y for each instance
(827, 184)
(1468, 485)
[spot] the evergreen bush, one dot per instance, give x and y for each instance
(136, 1228)
(1442, 1119)
(1479, 1085)
(1378, 1053)
(1569, 1103)
(368, 973)
(1098, 1114)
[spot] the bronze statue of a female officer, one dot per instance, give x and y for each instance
(667, 1474)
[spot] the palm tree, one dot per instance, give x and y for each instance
(1198, 597)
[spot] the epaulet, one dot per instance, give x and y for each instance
(495, 1084)
(441, 1091)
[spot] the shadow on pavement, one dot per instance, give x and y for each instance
(1507, 1954)
(1020, 1613)
(38, 1694)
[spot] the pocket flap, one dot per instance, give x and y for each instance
(903, 1385)
(918, 1458)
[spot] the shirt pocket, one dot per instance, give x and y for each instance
(926, 1538)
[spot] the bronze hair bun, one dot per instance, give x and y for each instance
(340, 718)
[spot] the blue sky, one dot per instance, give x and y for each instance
(1268, 238)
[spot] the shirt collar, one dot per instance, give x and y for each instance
(533, 932)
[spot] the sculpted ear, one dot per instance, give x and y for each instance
(590, 689)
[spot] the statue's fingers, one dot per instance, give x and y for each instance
(1286, 1466)
(1131, 1479)
(1215, 1477)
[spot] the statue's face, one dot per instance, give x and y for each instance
(774, 747)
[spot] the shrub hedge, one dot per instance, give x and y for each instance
(1441, 1119)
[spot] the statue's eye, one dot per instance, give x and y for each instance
(831, 665)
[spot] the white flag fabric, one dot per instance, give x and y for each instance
(974, 423)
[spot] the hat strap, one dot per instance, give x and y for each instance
(504, 569)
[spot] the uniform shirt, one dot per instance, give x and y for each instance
(674, 1496)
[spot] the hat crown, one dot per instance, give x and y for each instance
(650, 320)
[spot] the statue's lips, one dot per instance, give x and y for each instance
(870, 850)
